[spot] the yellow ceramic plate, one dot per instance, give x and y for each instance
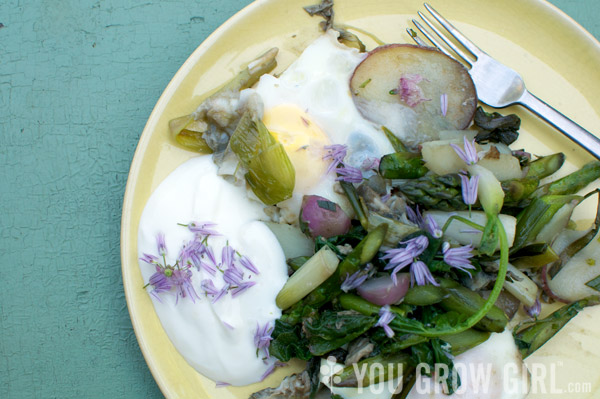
(559, 61)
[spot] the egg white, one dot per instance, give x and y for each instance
(310, 106)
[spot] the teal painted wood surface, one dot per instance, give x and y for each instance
(78, 80)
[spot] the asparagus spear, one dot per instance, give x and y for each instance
(433, 191)
(444, 192)
(545, 166)
(402, 165)
(190, 130)
(571, 183)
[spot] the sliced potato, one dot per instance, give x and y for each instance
(463, 233)
(426, 74)
(441, 159)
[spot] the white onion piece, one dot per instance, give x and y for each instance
(382, 291)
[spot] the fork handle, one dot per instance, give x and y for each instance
(572, 130)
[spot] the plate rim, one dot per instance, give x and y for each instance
(145, 136)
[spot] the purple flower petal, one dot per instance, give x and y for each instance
(444, 104)
(409, 90)
(221, 293)
(211, 256)
(432, 227)
(458, 257)
(182, 279)
(149, 259)
(233, 276)
(535, 309)
(469, 188)
(469, 154)
(349, 174)
(227, 257)
(160, 243)
(399, 258)
(271, 369)
(354, 281)
(241, 288)
(208, 287)
(385, 317)
(191, 253)
(262, 337)
(420, 274)
(203, 228)
(336, 153)
(247, 263)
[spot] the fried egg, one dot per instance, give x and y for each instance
(310, 107)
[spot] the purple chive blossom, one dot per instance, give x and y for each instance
(409, 90)
(160, 283)
(385, 317)
(428, 224)
(241, 287)
(354, 281)
(228, 325)
(444, 104)
(271, 369)
(208, 287)
(349, 174)
(336, 153)
(160, 244)
(262, 337)
(432, 227)
(203, 228)
(182, 279)
(370, 163)
(233, 275)
(211, 256)
(227, 256)
(386, 197)
(469, 154)
(149, 259)
(414, 247)
(191, 253)
(247, 263)
(210, 269)
(469, 188)
(420, 274)
(399, 258)
(221, 293)
(458, 257)
(535, 309)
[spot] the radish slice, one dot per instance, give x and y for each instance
(382, 291)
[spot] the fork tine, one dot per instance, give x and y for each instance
(462, 39)
(416, 38)
(444, 38)
(429, 36)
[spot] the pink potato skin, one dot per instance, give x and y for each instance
(382, 291)
(316, 221)
(381, 70)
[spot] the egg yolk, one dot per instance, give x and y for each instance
(303, 141)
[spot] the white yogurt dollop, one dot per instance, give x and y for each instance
(216, 339)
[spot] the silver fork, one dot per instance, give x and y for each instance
(499, 86)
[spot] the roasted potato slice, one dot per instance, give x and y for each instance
(420, 78)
